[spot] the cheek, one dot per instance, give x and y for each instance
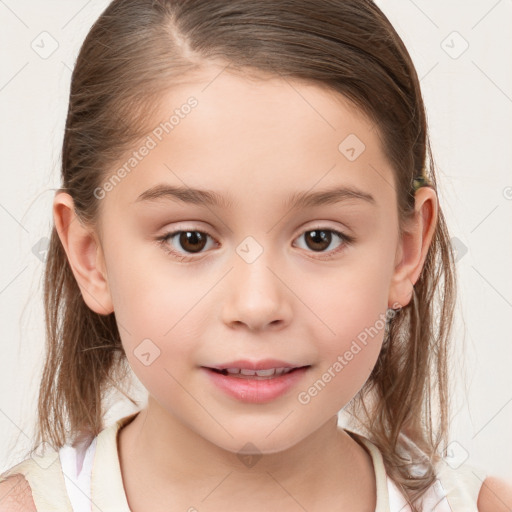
(352, 308)
(154, 305)
(349, 357)
(350, 300)
(148, 290)
(346, 358)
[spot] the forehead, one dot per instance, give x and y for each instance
(254, 137)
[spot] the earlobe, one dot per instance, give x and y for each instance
(413, 248)
(84, 253)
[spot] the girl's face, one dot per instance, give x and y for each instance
(252, 277)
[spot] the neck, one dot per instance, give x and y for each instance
(179, 465)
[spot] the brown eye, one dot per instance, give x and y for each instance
(192, 241)
(323, 241)
(185, 242)
(318, 240)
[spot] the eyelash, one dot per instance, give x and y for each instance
(162, 241)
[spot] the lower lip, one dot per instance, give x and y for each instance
(256, 390)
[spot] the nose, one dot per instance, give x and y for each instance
(255, 294)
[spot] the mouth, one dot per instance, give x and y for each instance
(262, 369)
(246, 373)
(256, 382)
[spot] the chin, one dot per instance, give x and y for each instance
(258, 442)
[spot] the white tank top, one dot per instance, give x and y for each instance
(88, 479)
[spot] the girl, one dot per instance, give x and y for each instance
(288, 141)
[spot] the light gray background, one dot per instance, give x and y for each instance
(468, 93)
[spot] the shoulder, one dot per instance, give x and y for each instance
(16, 495)
(495, 495)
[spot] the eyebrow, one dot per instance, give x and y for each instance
(210, 197)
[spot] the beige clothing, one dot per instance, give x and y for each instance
(69, 481)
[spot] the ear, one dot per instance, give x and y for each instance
(84, 253)
(413, 247)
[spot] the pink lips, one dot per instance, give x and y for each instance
(239, 380)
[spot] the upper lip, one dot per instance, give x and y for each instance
(264, 364)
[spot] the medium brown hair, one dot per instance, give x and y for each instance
(136, 51)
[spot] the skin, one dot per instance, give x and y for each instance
(258, 142)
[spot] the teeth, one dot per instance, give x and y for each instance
(259, 373)
(266, 373)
